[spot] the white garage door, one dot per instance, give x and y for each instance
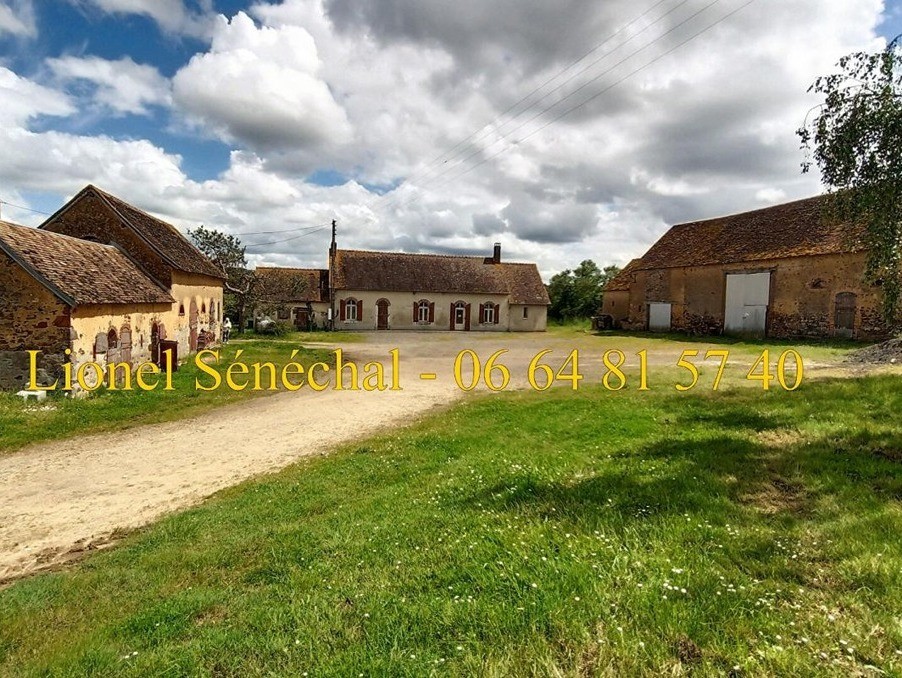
(746, 304)
(659, 317)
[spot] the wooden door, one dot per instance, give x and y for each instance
(382, 314)
(192, 326)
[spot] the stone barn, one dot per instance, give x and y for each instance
(615, 302)
(782, 271)
(162, 253)
(64, 293)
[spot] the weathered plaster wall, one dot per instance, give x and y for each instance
(401, 311)
(536, 320)
(31, 318)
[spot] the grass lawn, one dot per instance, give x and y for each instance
(737, 533)
(60, 417)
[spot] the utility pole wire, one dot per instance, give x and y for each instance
(592, 98)
(487, 127)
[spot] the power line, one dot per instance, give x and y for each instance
(486, 128)
(400, 201)
(22, 207)
(277, 242)
(284, 230)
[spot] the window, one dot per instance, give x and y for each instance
(112, 339)
(181, 309)
(526, 311)
(284, 313)
(489, 314)
(423, 312)
(203, 307)
(351, 309)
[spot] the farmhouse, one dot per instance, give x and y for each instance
(783, 271)
(391, 290)
(365, 290)
(101, 281)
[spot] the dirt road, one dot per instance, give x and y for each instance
(61, 498)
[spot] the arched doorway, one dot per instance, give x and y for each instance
(192, 326)
(382, 307)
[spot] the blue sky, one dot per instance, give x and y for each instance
(278, 116)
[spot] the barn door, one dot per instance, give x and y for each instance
(747, 297)
(659, 314)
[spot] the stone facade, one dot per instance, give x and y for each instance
(31, 318)
(804, 297)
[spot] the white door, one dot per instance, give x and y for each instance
(460, 317)
(746, 302)
(659, 317)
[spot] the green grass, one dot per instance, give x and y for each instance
(61, 417)
(522, 534)
(336, 338)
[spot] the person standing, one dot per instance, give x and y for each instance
(226, 330)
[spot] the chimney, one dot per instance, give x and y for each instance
(496, 256)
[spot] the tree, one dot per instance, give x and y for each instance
(855, 139)
(577, 293)
(228, 255)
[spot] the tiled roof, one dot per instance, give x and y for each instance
(621, 282)
(79, 271)
(285, 285)
(174, 247)
(795, 229)
(401, 272)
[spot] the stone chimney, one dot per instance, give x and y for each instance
(496, 255)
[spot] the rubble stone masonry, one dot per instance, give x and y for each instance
(31, 318)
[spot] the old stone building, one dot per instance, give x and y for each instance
(782, 271)
(62, 293)
(161, 252)
(615, 305)
(392, 290)
(299, 296)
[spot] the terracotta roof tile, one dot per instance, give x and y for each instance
(794, 229)
(165, 238)
(293, 284)
(621, 282)
(85, 272)
(402, 272)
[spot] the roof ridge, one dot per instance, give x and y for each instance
(478, 257)
(752, 211)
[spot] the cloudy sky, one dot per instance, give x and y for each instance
(566, 130)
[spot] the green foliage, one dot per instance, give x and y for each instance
(577, 293)
(596, 533)
(855, 140)
(228, 254)
(279, 328)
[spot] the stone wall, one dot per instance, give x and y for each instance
(803, 296)
(31, 318)
(91, 219)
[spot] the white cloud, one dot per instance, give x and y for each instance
(258, 86)
(707, 130)
(123, 86)
(24, 100)
(171, 15)
(17, 18)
